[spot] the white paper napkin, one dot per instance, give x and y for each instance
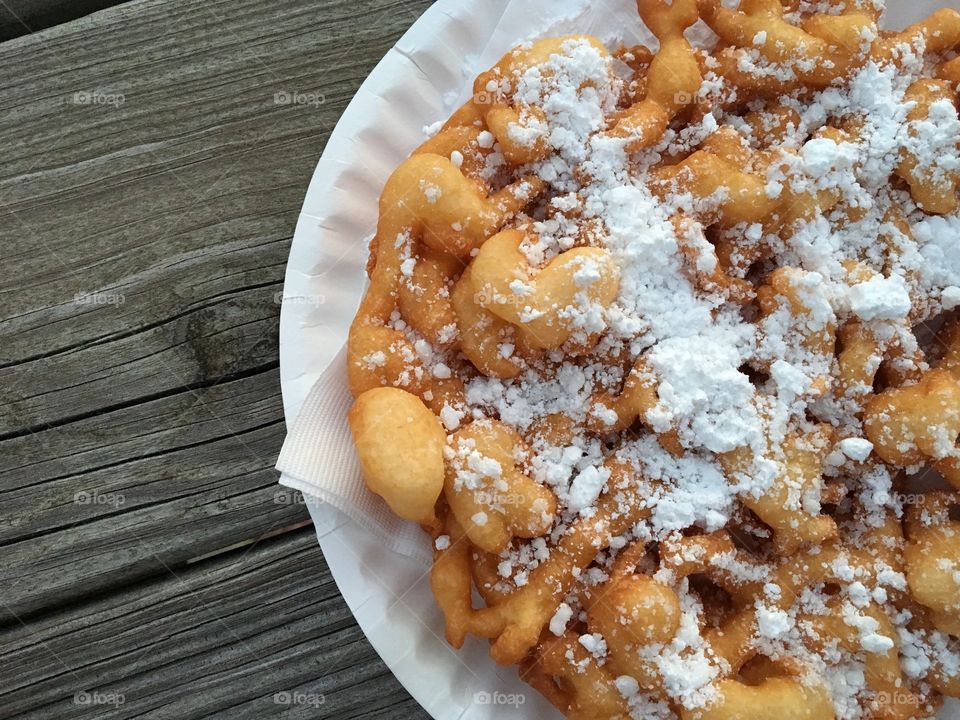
(318, 459)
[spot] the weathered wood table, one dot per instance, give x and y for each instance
(149, 187)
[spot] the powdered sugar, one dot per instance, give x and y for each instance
(726, 374)
(880, 299)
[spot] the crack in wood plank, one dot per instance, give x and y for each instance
(169, 191)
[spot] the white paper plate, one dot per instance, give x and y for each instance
(420, 81)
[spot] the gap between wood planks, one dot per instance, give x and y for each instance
(21, 17)
(231, 637)
(183, 200)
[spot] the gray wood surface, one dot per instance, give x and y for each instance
(149, 186)
(252, 634)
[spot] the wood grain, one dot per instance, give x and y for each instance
(252, 634)
(150, 182)
(149, 186)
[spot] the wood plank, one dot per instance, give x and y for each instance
(233, 637)
(176, 206)
(155, 486)
(181, 178)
